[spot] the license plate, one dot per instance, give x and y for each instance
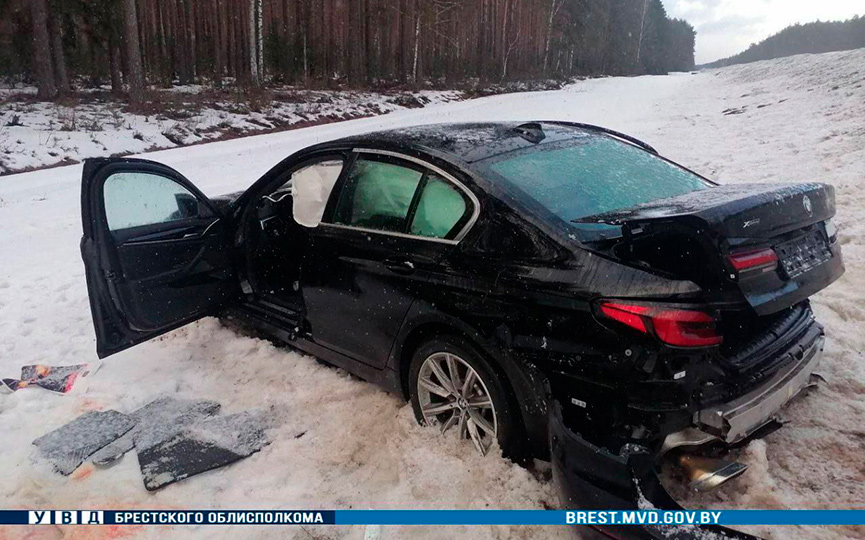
(802, 254)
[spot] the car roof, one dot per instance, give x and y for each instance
(472, 142)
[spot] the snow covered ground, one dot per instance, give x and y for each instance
(343, 443)
(36, 134)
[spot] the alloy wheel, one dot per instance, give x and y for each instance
(451, 393)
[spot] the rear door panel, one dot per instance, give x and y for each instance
(358, 286)
(365, 267)
(155, 251)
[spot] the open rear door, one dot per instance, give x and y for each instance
(155, 249)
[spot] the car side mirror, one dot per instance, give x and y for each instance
(188, 206)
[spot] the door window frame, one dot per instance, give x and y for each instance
(358, 153)
(98, 226)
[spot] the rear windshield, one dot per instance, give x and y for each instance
(591, 175)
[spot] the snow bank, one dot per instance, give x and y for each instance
(35, 135)
(343, 443)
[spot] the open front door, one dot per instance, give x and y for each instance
(155, 249)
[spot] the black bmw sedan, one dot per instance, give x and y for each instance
(557, 289)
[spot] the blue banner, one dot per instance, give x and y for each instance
(432, 517)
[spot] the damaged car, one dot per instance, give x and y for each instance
(558, 289)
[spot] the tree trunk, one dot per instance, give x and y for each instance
(259, 39)
(254, 41)
(289, 24)
(134, 73)
(62, 78)
(368, 42)
(187, 54)
(642, 29)
(192, 41)
(114, 62)
(219, 40)
(554, 8)
(416, 44)
(42, 51)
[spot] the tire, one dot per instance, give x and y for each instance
(501, 415)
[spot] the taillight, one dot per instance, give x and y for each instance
(671, 325)
(753, 259)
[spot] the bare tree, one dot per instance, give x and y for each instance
(555, 6)
(255, 41)
(508, 51)
(370, 41)
(42, 50)
(114, 64)
(62, 77)
(416, 44)
(642, 29)
(134, 72)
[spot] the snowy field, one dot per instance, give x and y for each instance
(343, 443)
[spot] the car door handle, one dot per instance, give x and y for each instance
(202, 234)
(399, 266)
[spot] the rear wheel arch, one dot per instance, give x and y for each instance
(426, 332)
(426, 328)
(416, 337)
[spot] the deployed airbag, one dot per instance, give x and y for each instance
(311, 187)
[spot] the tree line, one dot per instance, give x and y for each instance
(326, 43)
(815, 37)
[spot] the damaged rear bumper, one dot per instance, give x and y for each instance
(735, 420)
(592, 478)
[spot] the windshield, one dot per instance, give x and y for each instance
(591, 175)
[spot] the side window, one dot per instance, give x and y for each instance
(135, 199)
(310, 188)
(377, 195)
(441, 207)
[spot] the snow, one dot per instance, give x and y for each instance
(338, 442)
(241, 433)
(36, 134)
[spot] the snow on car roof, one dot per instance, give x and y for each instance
(470, 142)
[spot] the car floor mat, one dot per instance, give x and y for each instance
(68, 446)
(203, 446)
(157, 421)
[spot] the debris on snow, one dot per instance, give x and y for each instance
(68, 446)
(202, 446)
(156, 422)
(54, 378)
(175, 439)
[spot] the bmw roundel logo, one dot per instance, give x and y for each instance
(806, 202)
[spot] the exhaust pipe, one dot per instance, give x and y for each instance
(707, 473)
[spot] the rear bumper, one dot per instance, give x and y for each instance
(736, 419)
(593, 478)
(589, 477)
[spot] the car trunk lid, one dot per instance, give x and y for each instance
(706, 234)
